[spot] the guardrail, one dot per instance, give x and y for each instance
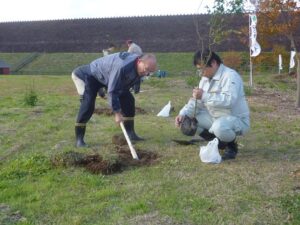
(23, 62)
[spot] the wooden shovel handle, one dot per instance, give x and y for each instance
(132, 150)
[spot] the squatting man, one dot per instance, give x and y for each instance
(117, 73)
(218, 104)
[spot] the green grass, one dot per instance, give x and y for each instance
(58, 63)
(256, 188)
(183, 67)
(64, 63)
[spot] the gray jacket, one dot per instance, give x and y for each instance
(118, 73)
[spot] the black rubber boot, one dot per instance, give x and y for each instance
(222, 145)
(129, 126)
(79, 133)
(230, 151)
(207, 136)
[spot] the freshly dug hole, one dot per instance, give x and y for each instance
(96, 164)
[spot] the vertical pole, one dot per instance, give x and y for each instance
(298, 83)
(278, 64)
(250, 64)
(251, 73)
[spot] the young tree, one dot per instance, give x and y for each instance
(220, 17)
(280, 18)
(222, 14)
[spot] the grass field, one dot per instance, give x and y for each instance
(262, 186)
(64, 63)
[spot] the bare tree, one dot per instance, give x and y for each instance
(220, 16)
(281, 18)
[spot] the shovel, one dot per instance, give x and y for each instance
(132, 150)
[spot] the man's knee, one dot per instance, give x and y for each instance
(223, 131)
(86, 109)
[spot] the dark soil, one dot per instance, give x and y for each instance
(146, 158)
(95, 163)
(105, 111)
(108, 112)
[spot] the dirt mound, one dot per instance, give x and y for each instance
(145, 157)
(108, 112)
(92, 162)
(105, 111)
(96, 164)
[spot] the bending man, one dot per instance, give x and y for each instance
(117, 73)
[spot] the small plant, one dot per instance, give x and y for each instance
(31, 96)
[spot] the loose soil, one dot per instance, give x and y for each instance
(95, 163)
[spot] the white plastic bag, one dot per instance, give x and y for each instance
(165, 110)
(210, 152)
